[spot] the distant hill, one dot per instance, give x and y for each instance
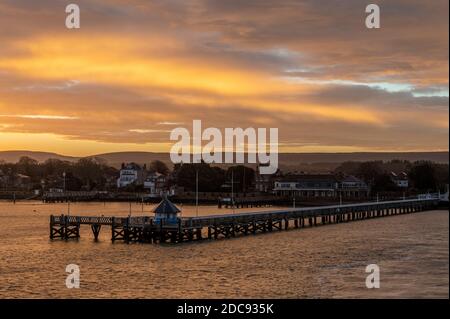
(290, 161)
(117, 158)
(439, 157)
(14, 156)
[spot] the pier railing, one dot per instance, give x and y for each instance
(102, 220)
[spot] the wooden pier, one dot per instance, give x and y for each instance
(146, 229)
(89, 196)
(250, 203)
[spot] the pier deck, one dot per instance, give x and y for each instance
(147, 229)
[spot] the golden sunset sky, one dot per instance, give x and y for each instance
(136, 69)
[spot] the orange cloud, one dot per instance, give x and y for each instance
(129, 62)
(232, 64)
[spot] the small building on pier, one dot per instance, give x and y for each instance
(166, 212)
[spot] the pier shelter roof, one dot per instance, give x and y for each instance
(166, 207)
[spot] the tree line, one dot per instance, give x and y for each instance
(95, 174)
(423, 176)
(86, 173)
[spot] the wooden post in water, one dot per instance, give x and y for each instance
(65, 226)
(246, 229)
(96, 230)
(216, 235)
(52, 221)
(199, 234)
(113, 225)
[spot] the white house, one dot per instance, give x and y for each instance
(130, 173)
(307, 185)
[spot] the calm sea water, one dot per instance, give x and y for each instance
(319, 262)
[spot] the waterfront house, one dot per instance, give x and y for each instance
(400, 180)
(14, 180)
(265, 182)
(352, 187)
(307, 185)
(155, 183)
(3, 179)
(130, 173)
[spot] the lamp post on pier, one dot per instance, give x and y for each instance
(196, 192)
(232, 188)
